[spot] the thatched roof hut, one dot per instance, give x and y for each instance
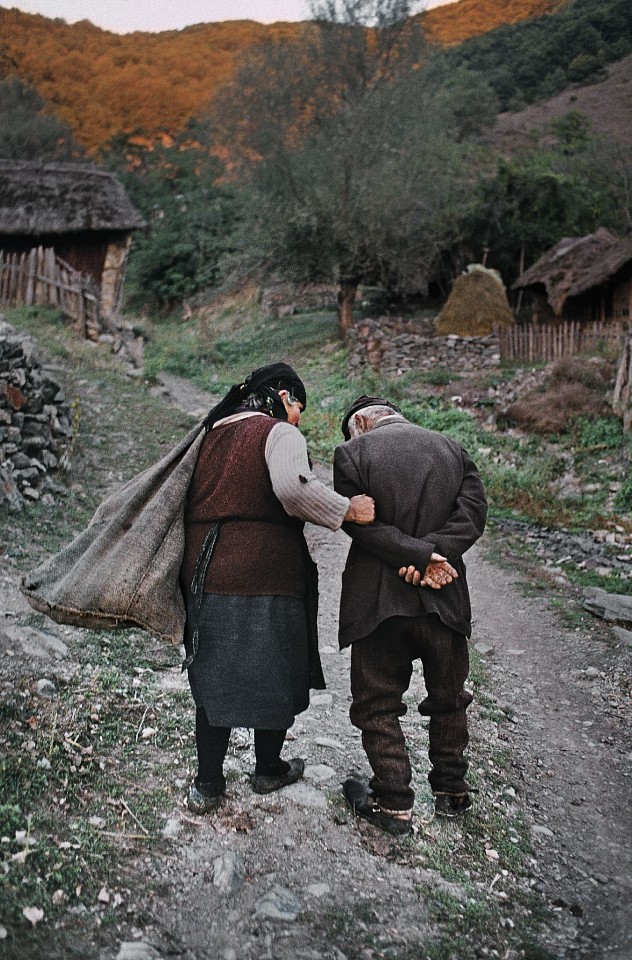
(60, 198)
(582, 278)
(78, 209)
(476, 306)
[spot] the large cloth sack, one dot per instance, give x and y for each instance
(123, 569)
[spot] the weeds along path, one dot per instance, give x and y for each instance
(100, 731)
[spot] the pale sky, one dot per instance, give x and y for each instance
(124, 16)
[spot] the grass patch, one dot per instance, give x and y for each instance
(77, 784)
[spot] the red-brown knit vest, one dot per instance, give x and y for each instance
(261, 553)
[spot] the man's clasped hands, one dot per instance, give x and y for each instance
(439, 573)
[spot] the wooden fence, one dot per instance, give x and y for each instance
(40, 277)
(548, 341)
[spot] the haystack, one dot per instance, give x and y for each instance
(477, 305)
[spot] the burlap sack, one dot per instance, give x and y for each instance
(123, 569)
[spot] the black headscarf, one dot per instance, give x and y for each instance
(360, 404)
(266, 380)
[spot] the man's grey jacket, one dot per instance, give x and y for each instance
(429, 499)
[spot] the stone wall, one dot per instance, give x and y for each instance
(35, 422)
(395, 346)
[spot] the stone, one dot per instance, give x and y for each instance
(278, 904)
(541, 831)
(321, 700)
(46, 688)
(318, 889)
(483, 648)
(229, 872)
(623, 636)
(613, 607)
(137, 950)
(319, 772)
(171, 828)
(305, 796)
(329, 742)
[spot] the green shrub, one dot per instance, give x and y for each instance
(623, 499)
(599, 432)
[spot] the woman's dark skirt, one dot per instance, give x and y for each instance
(252, 666)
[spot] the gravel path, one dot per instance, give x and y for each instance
(562, 717)
(294, 876)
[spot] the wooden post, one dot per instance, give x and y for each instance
(20, 280)
(622, 395)
(39, 294)
(346, 298)
(30, 278)
(9, 291)
(50, 271)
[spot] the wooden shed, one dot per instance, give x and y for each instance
(79, 210)
(582, 279)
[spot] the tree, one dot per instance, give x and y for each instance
(27, 131)
(531, 201)
(190, 218)
(358, 166)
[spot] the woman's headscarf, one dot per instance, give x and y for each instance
(266, 380)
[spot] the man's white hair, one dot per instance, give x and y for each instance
(372, 414)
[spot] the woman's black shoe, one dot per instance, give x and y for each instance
(262, 784)
(204, 797)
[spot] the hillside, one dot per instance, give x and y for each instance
(608, 106)
(456, 22)
(103, 83)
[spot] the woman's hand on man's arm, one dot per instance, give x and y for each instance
(361, 510)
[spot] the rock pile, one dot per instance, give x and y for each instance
(35, 421)
(377, 345)
(603, 551)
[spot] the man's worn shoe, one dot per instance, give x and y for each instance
(452, 804)
(270, 784)
(204, 797)
(361, 801)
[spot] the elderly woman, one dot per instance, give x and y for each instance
(248, 579)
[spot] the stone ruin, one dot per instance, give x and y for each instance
(35, 422)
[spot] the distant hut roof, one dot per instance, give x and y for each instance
(59, 198)
(476, 306)
(576, 265)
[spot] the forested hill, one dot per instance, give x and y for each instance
(103, 83)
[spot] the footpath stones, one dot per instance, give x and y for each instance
(229, 872)
(35, 421)
(137, 950)
(278, 904)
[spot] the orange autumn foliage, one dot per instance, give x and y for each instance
(456, 22)
(104, 84)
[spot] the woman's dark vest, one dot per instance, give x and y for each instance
(260, 550)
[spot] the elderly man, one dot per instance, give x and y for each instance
(405, 597)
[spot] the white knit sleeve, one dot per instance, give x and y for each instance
(294, 484)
